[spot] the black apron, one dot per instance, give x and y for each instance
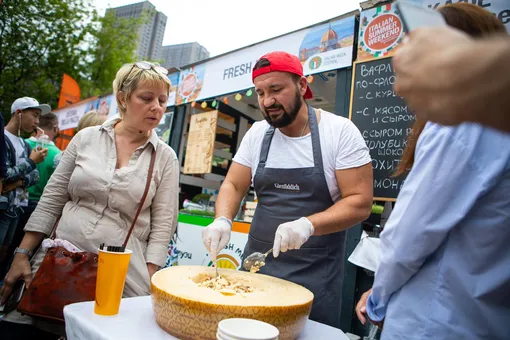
(286, 195)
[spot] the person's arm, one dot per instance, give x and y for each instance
(19, 171)
(354, 207)
(471, 78)
(498, 116)
(55, 194)
(217, 234)
(232, 191)
(43, 219)
(356, 186)
(451, 171)
(236, 184)
(20, 267)
(30, 179)
(164, 213)
(353, 172)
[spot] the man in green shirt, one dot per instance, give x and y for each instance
(49, 123)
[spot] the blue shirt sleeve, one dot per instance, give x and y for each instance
(451, 171)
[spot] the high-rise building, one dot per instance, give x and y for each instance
(151, 33)
(182, 54)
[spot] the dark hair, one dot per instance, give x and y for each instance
(48, 121)
(472, 19)
(476, 22)
(262, 62)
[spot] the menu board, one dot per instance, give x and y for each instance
(384, 120)
(200, 147)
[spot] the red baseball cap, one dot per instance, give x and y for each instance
(280, 61)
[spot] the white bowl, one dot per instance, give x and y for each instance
(246, 329)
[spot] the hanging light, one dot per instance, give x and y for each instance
(204, 104)
(249, 93)
(225, 100)
(238, 97)
(214, 103)
(193, 104)
(309, 79)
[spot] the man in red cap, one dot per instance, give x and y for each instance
(312, 174)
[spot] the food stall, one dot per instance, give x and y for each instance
(213, 105)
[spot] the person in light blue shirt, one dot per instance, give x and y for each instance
(445, 251)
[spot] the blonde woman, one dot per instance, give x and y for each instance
(96, 188)
(91, 118)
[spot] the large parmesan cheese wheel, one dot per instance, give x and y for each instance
(187, 309)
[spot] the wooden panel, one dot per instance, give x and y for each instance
(199, 182)
(223, 154)
(226, 125)
(200, 147)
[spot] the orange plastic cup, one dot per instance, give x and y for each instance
(112, 269)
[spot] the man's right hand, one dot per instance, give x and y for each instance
(38, 155)
(20, 269)
(216, 236)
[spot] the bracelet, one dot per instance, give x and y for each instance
(23, 251)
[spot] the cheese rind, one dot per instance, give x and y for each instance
(188, 311)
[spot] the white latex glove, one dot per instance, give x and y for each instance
(292, 235)
(216, 236)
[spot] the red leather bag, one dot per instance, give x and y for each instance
(65, 277)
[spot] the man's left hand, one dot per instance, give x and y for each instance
(361, 310)
(292, 235)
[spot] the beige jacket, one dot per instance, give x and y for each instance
(98, 202)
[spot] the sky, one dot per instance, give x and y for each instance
(225, 25)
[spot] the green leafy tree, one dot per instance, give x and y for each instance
(114, 45)
(40, 40)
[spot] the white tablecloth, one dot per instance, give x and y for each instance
(136, 321)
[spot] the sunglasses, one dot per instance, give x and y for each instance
(144, 65)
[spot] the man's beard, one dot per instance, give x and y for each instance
(287, 117)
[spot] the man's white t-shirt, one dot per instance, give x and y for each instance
(19, 145)
(342, 148)
(21, 198)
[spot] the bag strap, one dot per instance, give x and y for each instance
(142, 201)
(54, 233)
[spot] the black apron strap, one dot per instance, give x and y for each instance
(316, 141)
(266, 144)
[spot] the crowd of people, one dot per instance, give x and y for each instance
(444, 253)
(90, 190)
(30, 157)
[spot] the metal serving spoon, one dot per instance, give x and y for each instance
(254, 258)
